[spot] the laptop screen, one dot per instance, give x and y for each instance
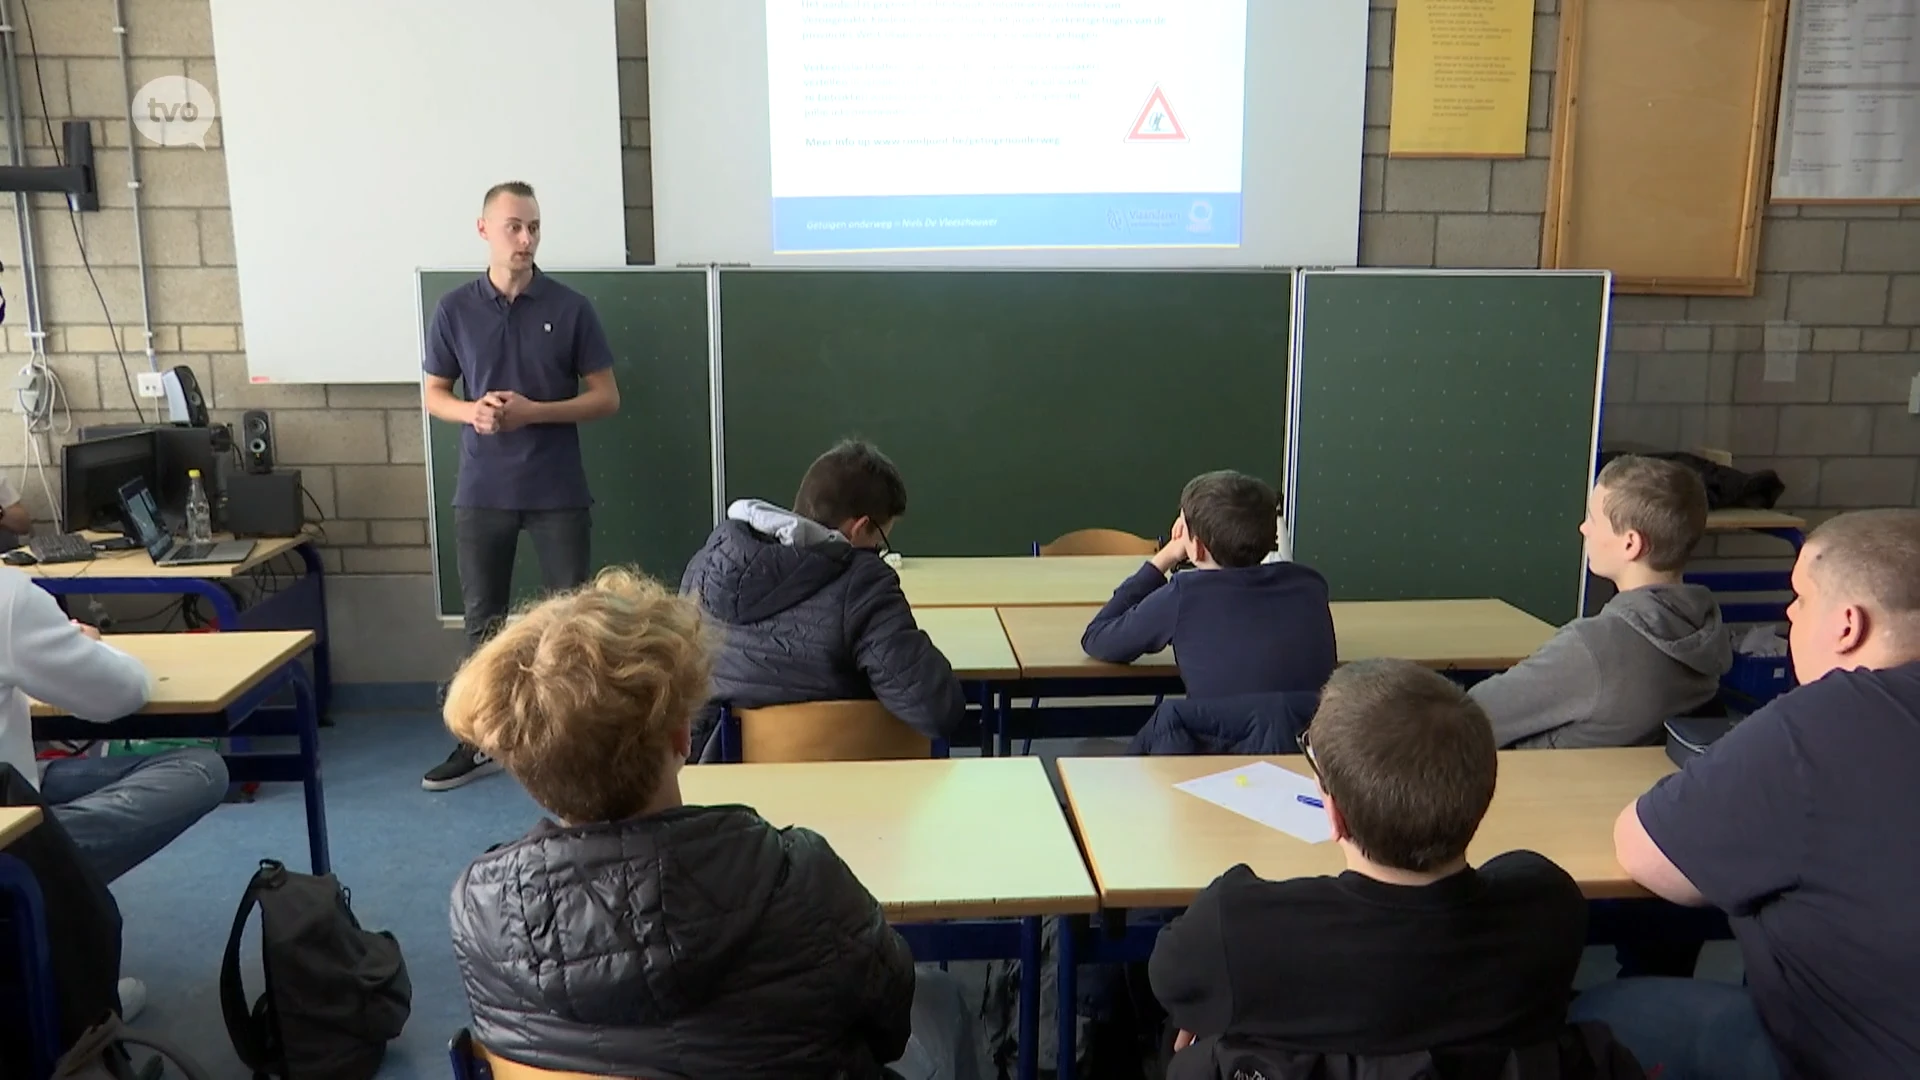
(144, 514)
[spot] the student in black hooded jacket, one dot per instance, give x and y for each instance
(634, 935)
(810, 610)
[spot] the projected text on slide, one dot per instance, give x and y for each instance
(902, 125)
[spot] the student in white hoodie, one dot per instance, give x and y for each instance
(119, 810)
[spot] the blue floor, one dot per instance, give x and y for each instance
(397, 847)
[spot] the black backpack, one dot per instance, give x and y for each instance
(335, 994)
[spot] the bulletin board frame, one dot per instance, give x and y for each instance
(1679, 99)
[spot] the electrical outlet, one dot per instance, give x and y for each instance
(151, 385)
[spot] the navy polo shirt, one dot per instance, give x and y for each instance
(539, 346)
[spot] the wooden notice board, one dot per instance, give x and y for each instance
(1663, 140)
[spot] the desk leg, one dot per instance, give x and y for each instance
(1069, 993)
(323, 644)
(29, 919)
(307, 709)
(1029, 1064)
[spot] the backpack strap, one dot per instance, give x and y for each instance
(252, 1038)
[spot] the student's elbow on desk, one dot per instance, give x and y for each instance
(1647, 865)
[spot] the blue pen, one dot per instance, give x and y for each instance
(1311, 801)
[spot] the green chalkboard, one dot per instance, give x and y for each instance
(1445, 433)
(1019, 404)
(650, 465)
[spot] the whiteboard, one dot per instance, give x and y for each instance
(360, 137)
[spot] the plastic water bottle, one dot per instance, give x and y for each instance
(199, 513)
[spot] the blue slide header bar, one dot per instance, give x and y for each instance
(958, 222)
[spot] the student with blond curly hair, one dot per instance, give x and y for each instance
(636, 935)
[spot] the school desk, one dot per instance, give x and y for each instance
(1152, 846)
(1448, 635)
(216, 686)
(32, 974)
(1014, 580)
(284, 601)
(965, 856)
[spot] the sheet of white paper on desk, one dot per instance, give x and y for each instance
(1268, 794)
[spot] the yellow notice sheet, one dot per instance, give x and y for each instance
(1460, 77)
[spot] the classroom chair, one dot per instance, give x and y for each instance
(1098, 542)
(830, 731)
(471, 1061)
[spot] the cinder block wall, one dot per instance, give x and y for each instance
(1840, 287)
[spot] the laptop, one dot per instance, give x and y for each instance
(143, 513)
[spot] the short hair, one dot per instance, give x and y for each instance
(581, 694)
(1664, 501)
(852, 480)
(1409, 760)
(1235, 515)
(510, 187)
(1870, 557)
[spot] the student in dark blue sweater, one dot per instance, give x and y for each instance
(1237, 624)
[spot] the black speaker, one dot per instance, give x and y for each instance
(256, 442)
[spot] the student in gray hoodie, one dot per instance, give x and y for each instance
(1655, 651)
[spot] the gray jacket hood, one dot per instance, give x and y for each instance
(1682, 621)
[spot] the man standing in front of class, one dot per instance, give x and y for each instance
(533, 363)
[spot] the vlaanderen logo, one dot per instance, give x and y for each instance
(174, 110)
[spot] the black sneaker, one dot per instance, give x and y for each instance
(462, 766)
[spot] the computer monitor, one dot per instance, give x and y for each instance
(92, 473)
(143, 516)
(176, 450)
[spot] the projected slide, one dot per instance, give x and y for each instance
(939, 125)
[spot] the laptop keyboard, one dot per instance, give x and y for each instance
(191, 551)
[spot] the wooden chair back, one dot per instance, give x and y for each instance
(471, 1061)
(828, 731)
(1099, 542)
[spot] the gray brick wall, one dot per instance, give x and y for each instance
(1839, 291)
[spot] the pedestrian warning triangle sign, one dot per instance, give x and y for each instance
(1156, 122)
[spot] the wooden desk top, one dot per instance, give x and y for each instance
(1735, 520)
(972, 641)
(1014, 580)
(933, 839)
(16, 822)
(137, 563)
(1151, 845)
(204, 673)
(1467, 634)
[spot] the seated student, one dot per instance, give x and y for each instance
(118, 810)
(1655, 651)
(1411, 949)
(1799, 824)
(1241, 625)
(636, 935)
(810, 610)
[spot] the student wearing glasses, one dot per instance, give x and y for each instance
(809, 609)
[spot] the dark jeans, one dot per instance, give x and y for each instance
(122, 809)
(1684, 1029)
(487, 540)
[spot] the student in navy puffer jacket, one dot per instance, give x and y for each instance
(809, 609)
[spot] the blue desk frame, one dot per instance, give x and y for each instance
(248, 715)
(300, 606)
(1738, 581)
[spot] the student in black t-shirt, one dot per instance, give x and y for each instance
(1411, 949)
(1800, 825)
